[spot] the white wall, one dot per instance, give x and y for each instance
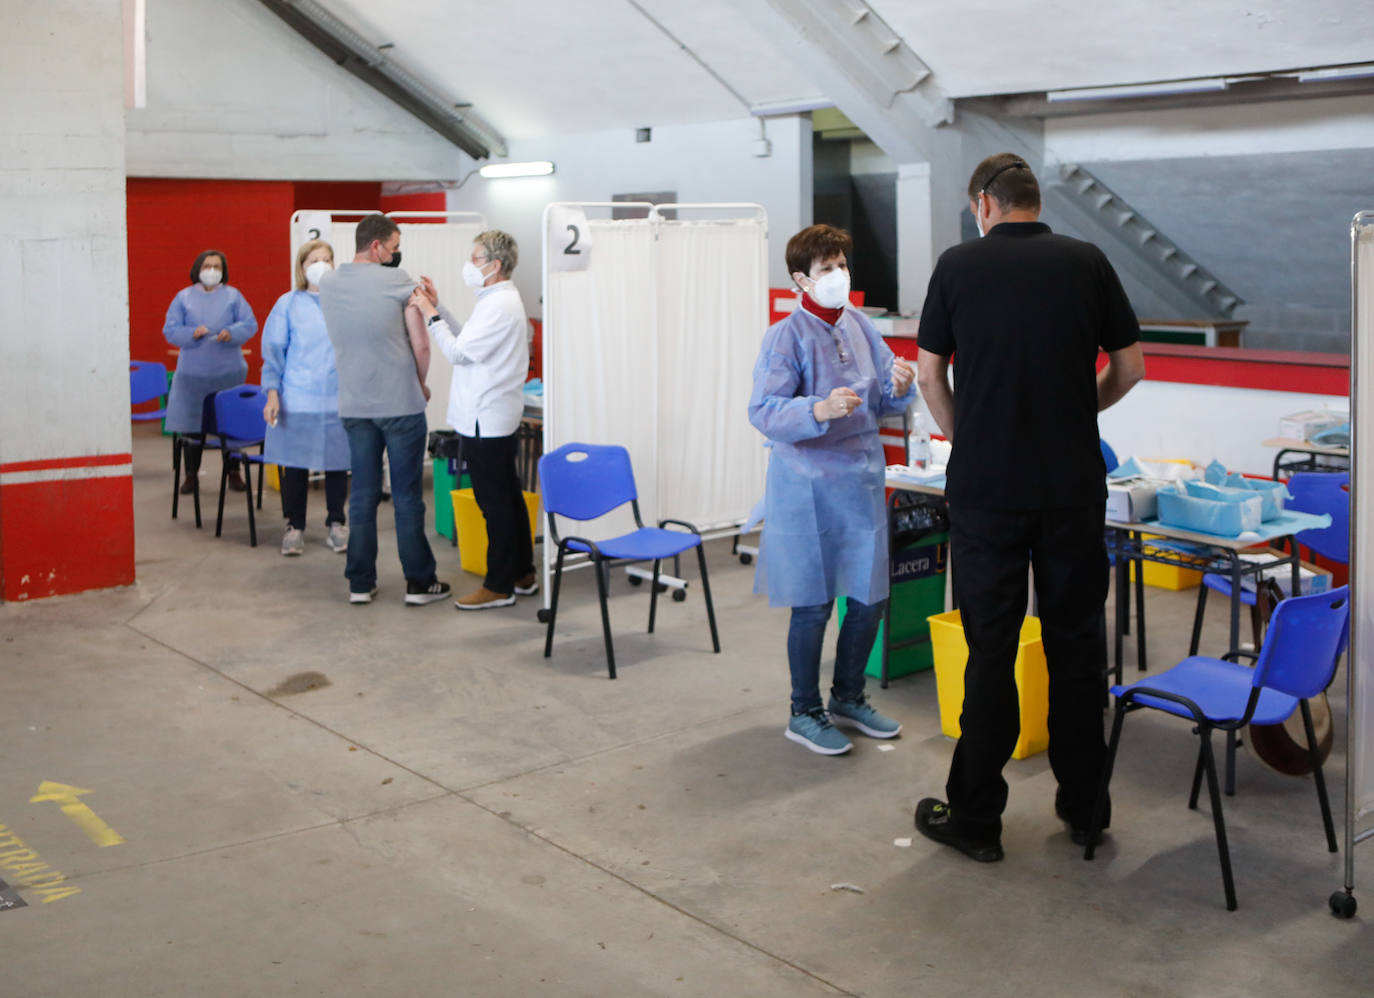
(236, 93)
(64, 388)
(1161, 419)
(710, 162)
(1231, 130)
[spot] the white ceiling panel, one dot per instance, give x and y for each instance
(534, 68)
(982, 47)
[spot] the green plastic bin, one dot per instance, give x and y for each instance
(916, 592)
(446, 481)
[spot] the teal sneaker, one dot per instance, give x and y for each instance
(859, 713)
(814, 730)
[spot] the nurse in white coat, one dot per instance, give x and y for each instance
(304, 432)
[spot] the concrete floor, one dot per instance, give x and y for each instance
(454, 814)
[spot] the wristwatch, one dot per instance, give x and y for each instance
(433, 319)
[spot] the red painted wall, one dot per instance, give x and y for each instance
(171, 221)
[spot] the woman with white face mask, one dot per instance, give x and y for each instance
(209, 321)
(304, 432)
(823, 379)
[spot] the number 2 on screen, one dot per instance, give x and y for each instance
(570, 249)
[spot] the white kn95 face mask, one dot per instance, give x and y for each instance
(831, 290)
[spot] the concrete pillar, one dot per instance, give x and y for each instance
(66, 491)
(930, 195)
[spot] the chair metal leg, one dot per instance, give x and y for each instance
(553, 602)
(605, 618)
(262, 473)
(1197, 619)
(1197, 778)
(1232, 740)
(1100, 805)
(1316, 758)
(248, 494)
(653, 595)
(1140, 661)
(1222, 851)
(176, 472)
(223, 481)
(706, 594)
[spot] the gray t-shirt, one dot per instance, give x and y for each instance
(364, 311)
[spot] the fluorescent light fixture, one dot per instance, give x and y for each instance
(780, 108)
(1336, 73)
(1169, 89)
(541, 168)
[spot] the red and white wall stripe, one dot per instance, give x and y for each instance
(66, 525)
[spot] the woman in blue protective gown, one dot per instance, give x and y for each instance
(304, 431)
(209, 322)
(823, 379)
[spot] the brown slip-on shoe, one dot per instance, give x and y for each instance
(484, 599)
(236, 482)
(188, 485)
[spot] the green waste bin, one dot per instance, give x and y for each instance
(919, 564)
(163, 404)
(446, 482)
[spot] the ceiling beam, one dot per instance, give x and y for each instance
(349, 50)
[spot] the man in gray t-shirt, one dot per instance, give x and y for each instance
(382, 397)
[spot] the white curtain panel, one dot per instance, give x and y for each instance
(601, 360)
(438, 251)
(712, 313)
(1361, 761)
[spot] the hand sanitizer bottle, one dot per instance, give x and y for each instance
(918, 442)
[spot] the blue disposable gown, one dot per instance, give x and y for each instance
(298, 361)
(205, 366)
(825, 526)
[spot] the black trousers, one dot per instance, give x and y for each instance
(295, 488)
(991, 552)
(491, 464)
(194, 442)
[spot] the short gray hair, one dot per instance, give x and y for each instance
(500, 246)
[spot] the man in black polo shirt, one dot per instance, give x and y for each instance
(1022, 313)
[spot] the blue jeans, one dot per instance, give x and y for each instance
(804, 637)
(403, 438)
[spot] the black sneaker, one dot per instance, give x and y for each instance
(420, 593)
(1078, 833)
(935, 821)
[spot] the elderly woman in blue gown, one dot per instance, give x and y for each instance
(304, 431)
(823, 379)
(209, 321)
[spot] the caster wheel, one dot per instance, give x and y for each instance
(542, 616)
(679, 595)
(635, 580)
(661, 588)
(746, 559)
(1343, 905)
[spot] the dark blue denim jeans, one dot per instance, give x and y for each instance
(804, 637)
(403, 439)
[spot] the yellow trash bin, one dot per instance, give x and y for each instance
(272, 474)
(471, 527)
(1032, 680)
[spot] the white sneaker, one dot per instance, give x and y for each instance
(293, 542)
(363, 597)
(338, 538)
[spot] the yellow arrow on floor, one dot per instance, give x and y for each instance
(86, 819)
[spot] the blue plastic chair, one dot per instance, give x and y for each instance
(1307, 635)
(1108, 456)
(238, 418)
(586, 481)
(1313, 492)
(147, 381)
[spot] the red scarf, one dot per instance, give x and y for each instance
(827, 315)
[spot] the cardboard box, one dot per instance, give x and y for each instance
(1311, 579)
(1130, 500)
(1307, 424)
